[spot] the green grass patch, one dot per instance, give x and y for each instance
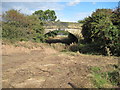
(99, 81)
(104, 79)
(95, 69)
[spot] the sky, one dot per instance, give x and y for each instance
(67, 11)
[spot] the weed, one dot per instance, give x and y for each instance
(95, 69)
(100, 79)
(64, 50)
(114, 77)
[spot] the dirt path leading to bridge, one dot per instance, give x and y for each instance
(44, 67)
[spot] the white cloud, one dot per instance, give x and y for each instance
(23, 10)
(30, 7)
(72, 3)
(30, 0)
(52, 6)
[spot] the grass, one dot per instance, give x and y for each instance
(64, 50)
(69, 52)
(99, 81)
(102, 79)
(95, 69)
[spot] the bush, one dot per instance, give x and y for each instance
(19, 27)
(114, 77)
(51, 34)
(74, 47)
(14, 33)
(90, 49)
(99, 29)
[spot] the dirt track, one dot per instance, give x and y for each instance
(45, 67)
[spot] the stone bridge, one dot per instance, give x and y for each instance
(75, 32)
(71, 27)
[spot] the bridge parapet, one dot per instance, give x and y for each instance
(49, 30)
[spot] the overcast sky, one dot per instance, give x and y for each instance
(70, 11)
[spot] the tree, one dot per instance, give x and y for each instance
(81, 21)
(48, 15)
(99, 29)
(116, 16)
(116, 22)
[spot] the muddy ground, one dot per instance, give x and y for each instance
(44, 67)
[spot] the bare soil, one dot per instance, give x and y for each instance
(40, 66)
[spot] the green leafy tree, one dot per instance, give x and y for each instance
(116, 16)
(98, 28)
(81, 21)
(48, 15)
(116, 21)
(40, 14)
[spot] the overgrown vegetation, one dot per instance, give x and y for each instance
(20, 27)
(101, 32)
(102, 79)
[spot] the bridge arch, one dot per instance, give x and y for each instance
(72, 38)
(76, 32)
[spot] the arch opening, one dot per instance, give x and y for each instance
(60, 36)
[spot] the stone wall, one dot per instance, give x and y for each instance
(56, 25)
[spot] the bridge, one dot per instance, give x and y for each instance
(71, 27)
(75, 32)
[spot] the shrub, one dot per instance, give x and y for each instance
(90, 49)
(20, 27)
(74, 47)
(99, 29)
(14, 33)
(114, 77)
